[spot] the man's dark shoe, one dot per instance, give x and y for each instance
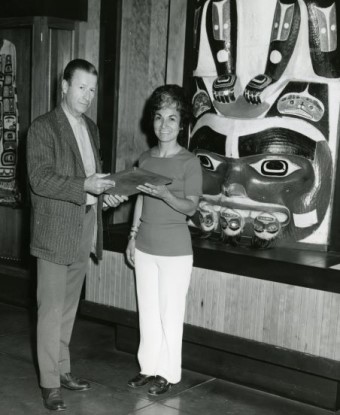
(160, 385)
(140, 380)
(53, 399)
(74, 384)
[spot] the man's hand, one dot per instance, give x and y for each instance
(97, 184)
(114, 200)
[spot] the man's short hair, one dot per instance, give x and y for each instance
(81, 64)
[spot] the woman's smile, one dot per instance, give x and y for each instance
(167, 123)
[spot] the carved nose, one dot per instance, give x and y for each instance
(234, 189)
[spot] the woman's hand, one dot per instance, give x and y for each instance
(130, 252)
(161, 192)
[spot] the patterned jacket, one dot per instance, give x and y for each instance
(56, 176)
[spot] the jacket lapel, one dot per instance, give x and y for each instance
(67, 134)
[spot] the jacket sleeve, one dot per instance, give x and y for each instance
(43, 178)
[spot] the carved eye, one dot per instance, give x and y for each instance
(275, 167)
(208, 162)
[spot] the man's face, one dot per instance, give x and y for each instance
(79, 93)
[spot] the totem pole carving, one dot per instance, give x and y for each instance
(267, 144)
(9, 125)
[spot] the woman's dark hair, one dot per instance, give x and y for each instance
(75, 64)
(169, 95)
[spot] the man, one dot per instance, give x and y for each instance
(66, 186)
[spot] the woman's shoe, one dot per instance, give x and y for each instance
(160, 385)
(140, 380)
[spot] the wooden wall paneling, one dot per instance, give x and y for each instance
(208, 318)
(258, 311)
(40, 73)
(230, 317)
(59, 58)
(289, 306)
(305, 333)
(87, 44)
(295, 338)
(215, 298)
(142, 68)
(326, 325)
(242, 314)
(250, 306)
(242, 308)
(189, 313)
(11, 221)
(221, 304)
(176, 42)
(336, 327)
(199, 300)
(337, 338)
(330, 326)
(157, 50)
(296, 318)
(134, 87)
(273, 316)
(108, 85)
(197, 303)
(61, 38)
(316, 317)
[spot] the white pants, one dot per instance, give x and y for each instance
(162, 286)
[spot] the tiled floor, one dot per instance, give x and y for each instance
(95, 358)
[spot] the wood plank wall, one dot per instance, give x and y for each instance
(87, 43)
(13, 240)
(142, 68)
(296, 318)
(176, 42)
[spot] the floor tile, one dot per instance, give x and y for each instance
(102, 400)
(90, 339)
(95, 358)
(118, 367)
(20, 345)
(19, 390)
(13, 320)
(159, 409)
(217, 397)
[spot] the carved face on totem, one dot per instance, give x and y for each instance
(270, 180)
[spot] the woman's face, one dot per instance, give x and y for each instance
(166, 124)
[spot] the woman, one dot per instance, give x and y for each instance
(160, 244)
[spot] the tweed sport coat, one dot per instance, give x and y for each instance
(56, 176)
